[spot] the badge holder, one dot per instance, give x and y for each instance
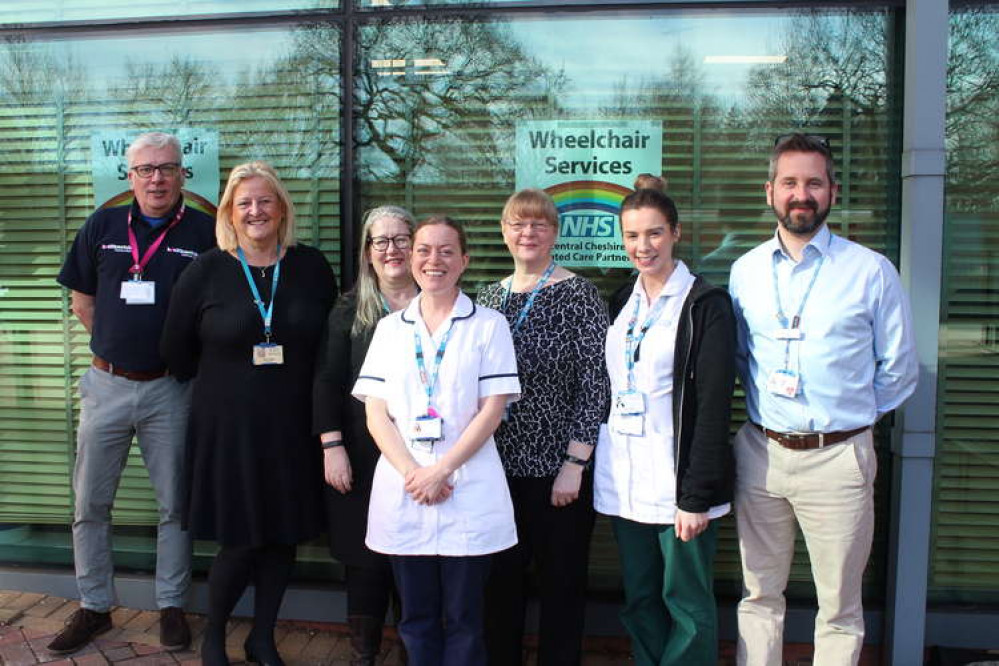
(426, 430)
(629, 413)
(138, 291)
(268, 353)
(784, 383)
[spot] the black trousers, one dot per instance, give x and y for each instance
(557, 541)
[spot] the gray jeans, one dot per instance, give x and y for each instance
(113, 410)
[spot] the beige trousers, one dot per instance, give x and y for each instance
(829, 493)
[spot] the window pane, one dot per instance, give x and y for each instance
(439, 105)
(965, 560)
(274, 101)
(32, 11)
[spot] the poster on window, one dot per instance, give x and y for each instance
(588, 167)
(200, 148)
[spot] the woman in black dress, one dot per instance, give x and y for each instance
(546, 442)
(246, 321)
(384, 284)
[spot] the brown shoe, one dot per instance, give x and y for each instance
(81, 628)
(174, 632)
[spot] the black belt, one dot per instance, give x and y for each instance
(811, 440)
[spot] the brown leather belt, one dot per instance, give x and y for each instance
(812, 440)
(101, 364)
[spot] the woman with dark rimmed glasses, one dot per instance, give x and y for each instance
(384, 285)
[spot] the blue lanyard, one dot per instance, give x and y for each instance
(631, 341)
(522, 315)
(781, 317)
(266, 314)
(427, 380)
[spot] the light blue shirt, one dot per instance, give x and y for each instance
(856, 358)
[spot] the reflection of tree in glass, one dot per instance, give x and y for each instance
(835, 65)
(650, 97)
(441, 97)
(173, 94)
(35, 86)
(973, 112)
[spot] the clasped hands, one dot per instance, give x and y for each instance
(428, 485)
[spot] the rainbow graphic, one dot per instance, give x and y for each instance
(592, 195)
(193, 199)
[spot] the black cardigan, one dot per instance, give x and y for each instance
(703, 381)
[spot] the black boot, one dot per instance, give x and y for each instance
(213, 647)
(365, 639)
(262, 651)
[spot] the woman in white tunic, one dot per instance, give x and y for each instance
(435, 382)
(664, 468)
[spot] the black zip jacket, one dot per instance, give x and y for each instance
(703, 381)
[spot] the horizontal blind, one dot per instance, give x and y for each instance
(275, 113)
(714, 157)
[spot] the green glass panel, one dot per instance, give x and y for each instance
(439, 103)
(273, 101)
(964, 564)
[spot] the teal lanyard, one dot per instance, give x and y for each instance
(781, 317)
(267, 314)
(426, 379)
(522, 315)
(631, 341)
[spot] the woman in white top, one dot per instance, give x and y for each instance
(664, 467)
(436, 380)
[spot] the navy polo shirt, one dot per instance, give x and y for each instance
(129, 335)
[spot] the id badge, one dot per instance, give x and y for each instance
(426, 429)
(629, 403)
(789, 334)
(268, 353)
(629, 424)
(139, 292)
(784, 383)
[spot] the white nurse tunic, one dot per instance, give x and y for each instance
(478, 361)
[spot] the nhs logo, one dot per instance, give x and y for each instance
(587, 225)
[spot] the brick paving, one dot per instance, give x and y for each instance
(28, 622)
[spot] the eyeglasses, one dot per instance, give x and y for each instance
(813, 138)
(167, 170)
(381, 243)
(519, 226)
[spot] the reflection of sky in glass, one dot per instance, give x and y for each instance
(598, 52)
(30, 11)
(226, 54)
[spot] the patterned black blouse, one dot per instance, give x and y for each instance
(560, 358)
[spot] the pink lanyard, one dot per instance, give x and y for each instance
(137, 265)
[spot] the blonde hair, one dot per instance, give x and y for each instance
(225, 233)
(530, 204)
(370, 307)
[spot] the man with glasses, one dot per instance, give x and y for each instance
(120, 270)
(825, 349)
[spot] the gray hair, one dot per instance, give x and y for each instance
(154, 140)
(369, 299)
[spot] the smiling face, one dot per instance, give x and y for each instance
(257, 213)
(649, 241)
(530, 241)
(438, 260)
(391, 265)
(158, 194)
(801, 193)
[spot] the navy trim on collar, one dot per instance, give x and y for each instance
(402, 314)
